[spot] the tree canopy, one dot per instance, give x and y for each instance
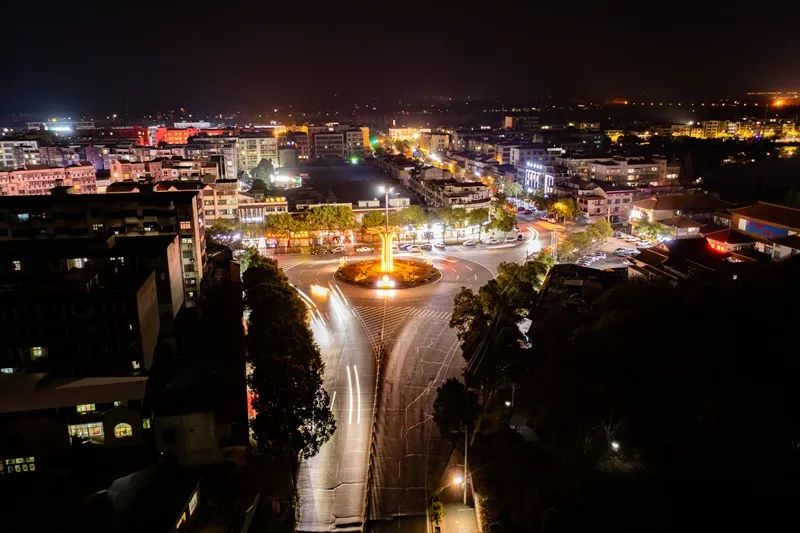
(455, 408)
(292, 409)
(330, 218)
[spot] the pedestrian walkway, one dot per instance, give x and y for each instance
(385, 321)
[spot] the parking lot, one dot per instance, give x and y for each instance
(608, 248)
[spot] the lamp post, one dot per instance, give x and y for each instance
(386, 192)
(387, 259)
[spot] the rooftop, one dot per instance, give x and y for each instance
(771, 213)
(688, 202)
(34, 392)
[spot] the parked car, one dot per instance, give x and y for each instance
(552, 220)
(439, 245)
(364, 250)
(520, 237)
(493, 241)
(620, 251)
(599, 255)
(337, 250)
(520, 209)
(627, 263)
(618, 234)
(405, 247)
(319, 251)
(511, 239)
(414, 248)
(469, 242)
(528, 212)
(426, 247)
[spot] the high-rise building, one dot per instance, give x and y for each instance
(252, 147)
(329, 144)
(40, 179)
(138, 210)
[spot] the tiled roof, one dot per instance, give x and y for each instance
(771, 213)
(791, 241)
(680, 222)
(729, 236)
(682, 202)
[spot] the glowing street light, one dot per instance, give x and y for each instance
(458, 481)
(614, 446)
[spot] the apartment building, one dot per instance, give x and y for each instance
(221, 201)
(252, 147)
(329, 144)
(19, 153)
(40, 179)
(126, 209)
(433, 142)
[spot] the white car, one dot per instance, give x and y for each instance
(364, 250)
(337, 250)
(493, 241)
(414, 248)
(439, 245)
(469, 242)
(510, 239)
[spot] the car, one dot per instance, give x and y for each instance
(426, 247)
(405, 247)
(337, 250)
(599, 255)
(364, 250)
(618, 234)
(510, 239)
(439, 245)
(414, 248)
(520, 209)
(543, 216)
(643, 244)
(469, 242)
(621, 250)
(552, 220)
(528, 212)
(627, 263)
(520, 237)
(632, 252)
(493, 241)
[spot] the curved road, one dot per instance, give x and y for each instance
(351, 325)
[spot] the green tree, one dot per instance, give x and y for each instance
(652, 231)
(373, 219)
(455, 408)
(264, 171)
(250, 257)
(259, 188)
(331, 218)
(292, 409)
(566, 208)
(603, 229)
(478, 217)
(450, 218)
(412, 215)
(504, 219)
(436, 512)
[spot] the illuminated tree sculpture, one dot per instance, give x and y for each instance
(387, 254)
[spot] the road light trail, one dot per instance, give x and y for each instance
(358, 395)
(350, 401)
(333, 400)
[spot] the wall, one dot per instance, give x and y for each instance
(190, 438)
(149, 323)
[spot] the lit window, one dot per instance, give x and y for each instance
(92, 431)
(85, 407)
(123, 430)
(6, 370)
(117, 403)
(146, 423)
(185, 224)
(17, 465)
(37, 352)
(135, 365)
(17, 265)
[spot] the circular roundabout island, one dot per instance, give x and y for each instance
(406, 274)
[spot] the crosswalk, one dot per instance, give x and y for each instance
(383, 322)
(289, 261)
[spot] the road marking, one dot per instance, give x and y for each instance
(457, 277)
(358, 395)
(350, 402)
(468, 267)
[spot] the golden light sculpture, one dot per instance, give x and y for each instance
(387, 254)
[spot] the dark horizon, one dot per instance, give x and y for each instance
(100, 57)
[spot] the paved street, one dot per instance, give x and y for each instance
(422, 351)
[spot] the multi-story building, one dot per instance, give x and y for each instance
(521, 123)
(255, 211)
(329, 144)
(136, 209)
(205, 147)
(620, 170)
(58, 156)
(62, 126)
(19, 153)
(700, 207)
(404, 134)
(439, 190)
(252, 147)
(221, 201)
(604, 200)
(299, 141)
(173, 135)
(434, 142)
(539, 177)
(40, 179)
(354, 141)
(122, 169)
(522, 153)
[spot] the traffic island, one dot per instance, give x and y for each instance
(406, 274)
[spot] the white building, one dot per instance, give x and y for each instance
(253, 147)
(16, 154)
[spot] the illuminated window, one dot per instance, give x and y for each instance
(185, 224)
(37, 352)
(17, 265)
(6, 370)
(85, 408)
(123, 430)
(92, 431)
(17, 465)
(146, 423)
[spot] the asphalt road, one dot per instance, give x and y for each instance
(351, 324)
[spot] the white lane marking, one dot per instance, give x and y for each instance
(476, 277)
(468, 267)
(358, 395)
(350, 402)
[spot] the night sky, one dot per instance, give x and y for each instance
(93, 56)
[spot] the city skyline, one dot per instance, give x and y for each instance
(330, 56)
